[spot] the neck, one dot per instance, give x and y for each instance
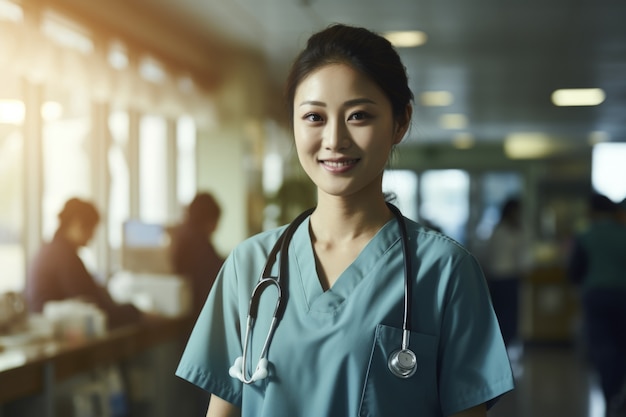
(339, 219)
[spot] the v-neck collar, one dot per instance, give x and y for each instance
(305, 276)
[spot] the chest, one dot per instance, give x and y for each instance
(331, 261)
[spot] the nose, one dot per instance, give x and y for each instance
(336, 136)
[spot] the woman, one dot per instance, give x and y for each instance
(350, 105)
(509, 261)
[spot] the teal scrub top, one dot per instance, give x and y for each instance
(329, 354)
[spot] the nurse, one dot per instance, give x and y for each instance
(350, 105)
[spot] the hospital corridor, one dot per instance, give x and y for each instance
(452, 171)
(551, 381)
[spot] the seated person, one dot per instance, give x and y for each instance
(192, 253)
(58, 273)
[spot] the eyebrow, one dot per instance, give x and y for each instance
(352, 102)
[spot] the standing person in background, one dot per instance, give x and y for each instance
(193, 255)
(508, 261)
(621, 211)
(350, 275)
(58, 273)
(597, 263)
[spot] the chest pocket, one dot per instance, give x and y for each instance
(384, 394)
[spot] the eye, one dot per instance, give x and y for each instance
(312, 117)
(359, 115)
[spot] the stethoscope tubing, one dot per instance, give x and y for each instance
(239, 369)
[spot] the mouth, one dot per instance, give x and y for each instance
(343, 163)
(338, 165)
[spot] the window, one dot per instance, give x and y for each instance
(11, 185)
(403, 184)
(497, 187)
(186, 164)
(445, 201)
(66, 152)
(119, 188)
(609, 170)
(153, 169)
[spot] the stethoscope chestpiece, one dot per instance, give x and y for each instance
(402, 363)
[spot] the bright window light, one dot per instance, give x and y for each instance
(12, 112)
(51, 111)
(608, 170)
(10, 11)
(403, 184)
(406, 39)
(578, 97)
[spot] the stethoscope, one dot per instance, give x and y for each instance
(402, 362)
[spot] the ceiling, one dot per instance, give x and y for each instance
(501, 60)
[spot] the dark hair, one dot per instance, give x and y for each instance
(510, 206)
(363, 50)
(599, 203)
(81, 210)
(203, 209)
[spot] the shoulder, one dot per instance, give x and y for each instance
(426, 239)
(256, 246)
(440, 257)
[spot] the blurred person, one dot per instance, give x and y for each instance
(621, 211)
(507, 262)
(192, 252)
(597, 263)
(58, 273)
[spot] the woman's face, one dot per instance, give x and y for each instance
(344, 130)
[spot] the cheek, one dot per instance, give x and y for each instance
(304, 141)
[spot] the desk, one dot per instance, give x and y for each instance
(36, 369)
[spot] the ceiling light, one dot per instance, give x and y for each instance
(598, 136)
(578, 97)
(528, 145)
(436, 98)
(453, 121)
(463, 140)
(406, 39)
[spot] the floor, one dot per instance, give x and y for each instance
(551, 382)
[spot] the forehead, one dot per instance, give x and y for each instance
(336, 79)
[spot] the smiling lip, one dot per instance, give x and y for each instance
(338, 165)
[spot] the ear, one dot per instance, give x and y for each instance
(402, 124)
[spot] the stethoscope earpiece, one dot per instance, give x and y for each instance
(237, 370)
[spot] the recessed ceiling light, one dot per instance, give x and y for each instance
(406, 38)
(436, 98)
(578, 97)
(598, 136)
(528, 145)
(463, 140)
(453, 121)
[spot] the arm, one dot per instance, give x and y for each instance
(222, 408)
(478, 411)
